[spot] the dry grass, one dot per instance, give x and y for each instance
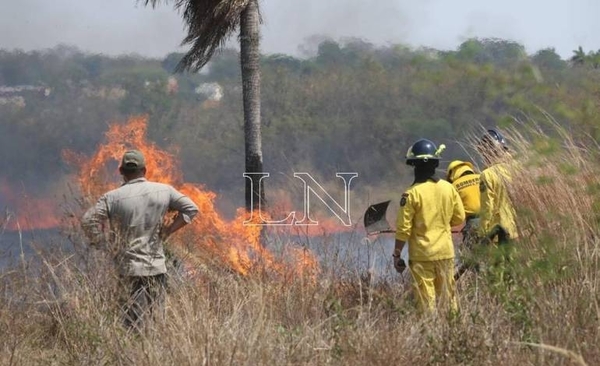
(541, 308)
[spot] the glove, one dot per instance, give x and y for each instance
(399, 264)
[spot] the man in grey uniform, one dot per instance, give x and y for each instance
(136, 232)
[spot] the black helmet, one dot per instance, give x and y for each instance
(493, 138)
(423, 151)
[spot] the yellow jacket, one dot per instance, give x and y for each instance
(496, 206)
(466, 185)
(427, 211)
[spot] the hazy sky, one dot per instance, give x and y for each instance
(123, 26)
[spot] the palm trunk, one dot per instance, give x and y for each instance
(250, 58)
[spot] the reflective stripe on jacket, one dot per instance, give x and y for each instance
(466, 181)
(468, 190)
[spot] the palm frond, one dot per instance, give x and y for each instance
(154, 3)
(210, 23)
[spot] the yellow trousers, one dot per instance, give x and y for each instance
(434, 281)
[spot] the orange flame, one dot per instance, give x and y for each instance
(210, 238)
(281, 205)
(24, 212)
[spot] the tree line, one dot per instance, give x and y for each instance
(350, 106)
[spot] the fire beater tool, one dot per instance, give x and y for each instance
(375, 223)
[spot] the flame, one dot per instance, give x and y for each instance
(210, 238)
(281, 205)
(24, 212)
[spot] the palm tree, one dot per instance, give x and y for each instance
(579, 57)
(210, 23)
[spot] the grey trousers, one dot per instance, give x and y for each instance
(143, 299)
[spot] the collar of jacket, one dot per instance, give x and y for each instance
(424, 179)
(136, 180)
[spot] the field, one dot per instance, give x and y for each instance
(542, 308)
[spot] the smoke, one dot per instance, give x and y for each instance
(108, 26)
(125, 26)
(289, 24)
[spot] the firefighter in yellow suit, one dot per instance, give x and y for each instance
(466, 180)
(428, 210)
(497, 215)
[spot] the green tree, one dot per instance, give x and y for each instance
(330, 53)
(594, 59)
(209, 24)
(548, 59)
(171, 61)
(491, 51)
(579, 57)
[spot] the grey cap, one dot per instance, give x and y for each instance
(133, 159)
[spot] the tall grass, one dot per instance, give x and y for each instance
(540, 308)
